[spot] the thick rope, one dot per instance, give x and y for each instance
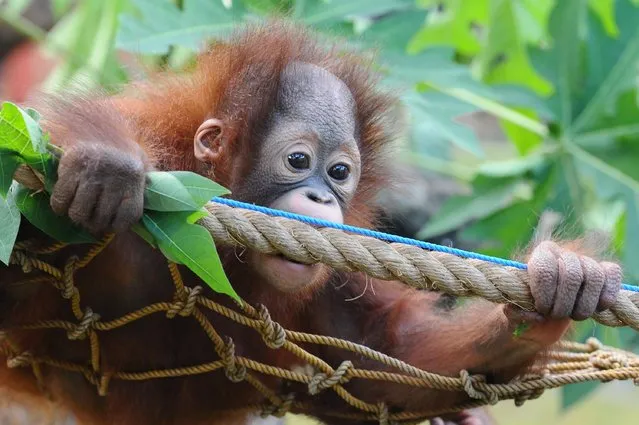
(469, 275)
(411, 265)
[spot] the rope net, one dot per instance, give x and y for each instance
(569, 362)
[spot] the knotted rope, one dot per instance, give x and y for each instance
(569, 362)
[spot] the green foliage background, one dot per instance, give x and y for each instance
(559, 76)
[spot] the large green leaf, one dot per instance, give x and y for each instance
(35, 207)
(9, 162)
(504, 59)
(451, 25)
(20, 133)
(563, 64)
(200, 188)
(9, 223)
(610, 183)
(611, 64)
(160, 24)
(433, 116)
(188, 244)
(179, 191)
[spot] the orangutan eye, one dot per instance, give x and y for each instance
(299, 161)
(339, 172)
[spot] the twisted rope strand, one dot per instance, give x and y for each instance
(409, 264)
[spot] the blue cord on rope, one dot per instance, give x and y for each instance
(381, 235)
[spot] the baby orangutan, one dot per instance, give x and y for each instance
(286, 123)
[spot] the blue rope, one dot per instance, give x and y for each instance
(380, 235)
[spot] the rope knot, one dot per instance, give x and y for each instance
(606, 360)
(469, 381)
(68, 286)
(272, 332)
(529, 394)
(20, 360)
(278, 410)
(233, 371)
(185, 302)
(79, 332)
(322, 381)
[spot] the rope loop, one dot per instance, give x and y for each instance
(234, 372)
(20, 360)
(273, 333)
(24, 261)
(80, 331)
(469, 381)
(278, 409)
(321, 381)
(68, 286)
(185, 302)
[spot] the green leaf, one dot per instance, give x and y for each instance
(605, 9)
(511, 167)
(494, 108)
(393, 32)
(509, 229)
(189, 244)
(563, 64)
(201, 189)
(36, 209)
(164, 192)
(9, 163)
(611, 66)
(487, 200)
(451, 25)
(60, 7)
(611, 183)
(179, 191)
(20, 133)
(524, 139)
(504, 58)
(434, 115)
(532, 18)
(9, 223)
(160, 24)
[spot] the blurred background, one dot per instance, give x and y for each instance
(523, 114)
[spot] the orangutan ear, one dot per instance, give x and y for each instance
(207, 143)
